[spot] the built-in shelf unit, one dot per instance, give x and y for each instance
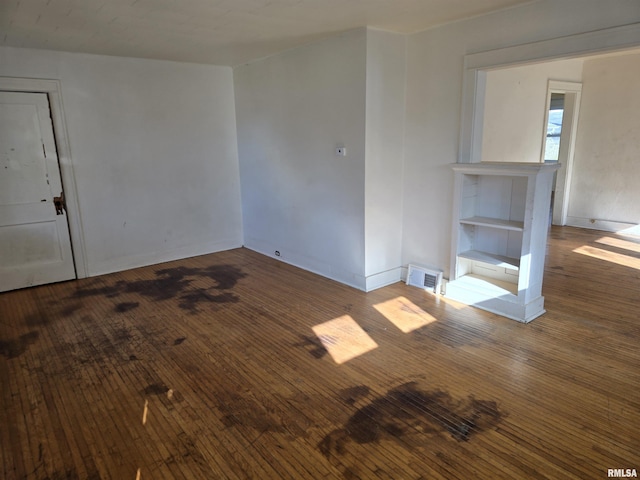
(501, 220)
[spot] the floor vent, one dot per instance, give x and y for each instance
(424, 278)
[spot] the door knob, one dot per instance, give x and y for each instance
(60, 204)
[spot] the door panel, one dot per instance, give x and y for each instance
(35, 247)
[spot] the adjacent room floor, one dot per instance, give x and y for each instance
(234, 365)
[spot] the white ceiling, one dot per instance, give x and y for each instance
(220, 32)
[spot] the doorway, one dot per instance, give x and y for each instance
(561, 122)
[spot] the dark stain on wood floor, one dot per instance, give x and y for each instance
(39, 319)
(174, 283)
(413, 416)
(190, 300)
(70, 309)
(240, 410)
(126, 306)
(156, 389)
(14, 347)
(313, 345)
(351, 395)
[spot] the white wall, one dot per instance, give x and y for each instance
(515, 108)
(386, 79)
(154, 152)
(298, 197)
(337, 216)
(606, 177)
(434, 92)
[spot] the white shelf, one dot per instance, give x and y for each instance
(491, 259)
(488, 286)
(503, 168)
(494, 223)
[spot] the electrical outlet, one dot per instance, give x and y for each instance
(341, 151)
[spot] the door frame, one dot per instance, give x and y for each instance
(564, 175)
(52, 89)
(476, 66)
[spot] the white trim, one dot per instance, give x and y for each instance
(571, 46)
(472, 121)
(557, 86)
(572, 92)
(54, 92)
(604, 225)
(382, 279)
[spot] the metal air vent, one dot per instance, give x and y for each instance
(424, 278)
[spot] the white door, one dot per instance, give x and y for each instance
(35, 247)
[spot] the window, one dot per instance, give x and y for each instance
(554, 128)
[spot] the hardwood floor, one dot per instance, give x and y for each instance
(235, 366)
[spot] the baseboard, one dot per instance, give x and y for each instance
(382, 279)
(309, 264)
(605, 225)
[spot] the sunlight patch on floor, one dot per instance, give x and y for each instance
(620, 243)
(404, 314)
(617, 258)
(344, 339)
(145, 412)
